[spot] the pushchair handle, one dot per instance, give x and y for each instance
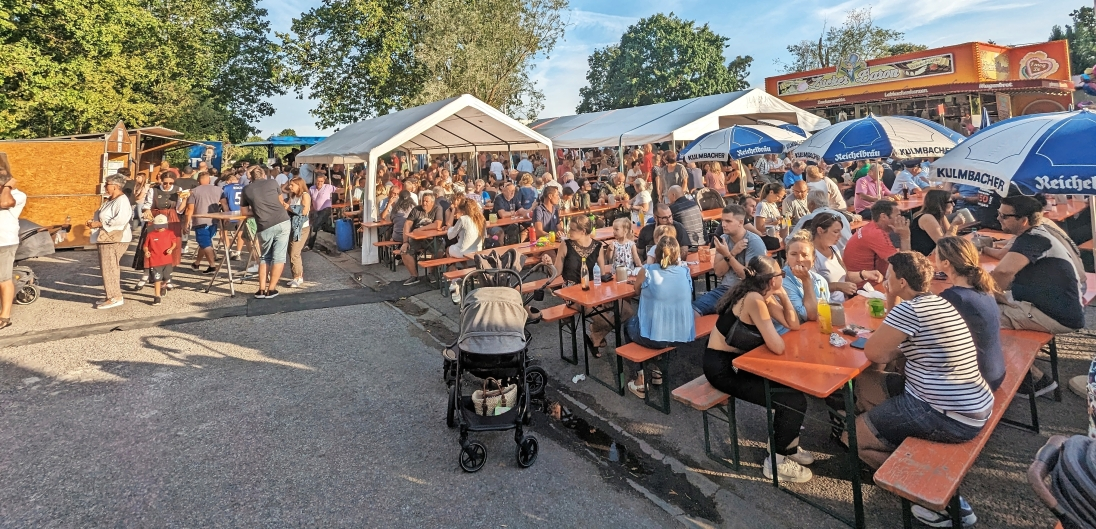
(1046, 459)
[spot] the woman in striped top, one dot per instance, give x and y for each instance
(945, 398)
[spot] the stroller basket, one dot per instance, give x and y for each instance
(492, 322)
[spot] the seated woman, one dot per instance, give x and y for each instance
(665, 312)
(576, 257)
(932, 223)
(746, 321)
(944, 398)
(825, 230)
(971, 294)
(768, 218)
(805, 287)
(468, 228)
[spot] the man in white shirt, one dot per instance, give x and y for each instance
(525, 166)
(12, 201)
(497, 167)
(816, 180)
(550, 180)
(569, 182)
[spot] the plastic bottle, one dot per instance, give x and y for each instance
(597, 275)
(824, 323)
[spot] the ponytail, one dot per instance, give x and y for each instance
(963, 257)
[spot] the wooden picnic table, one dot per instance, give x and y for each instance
(594, 209)
(596, 302)
(377, 224)
(712, 214)
(811, 365)
(1066, 210)
(910, 204)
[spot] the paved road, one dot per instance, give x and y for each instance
(328, 418)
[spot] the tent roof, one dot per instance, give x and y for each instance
(683, 120)
(457, 124)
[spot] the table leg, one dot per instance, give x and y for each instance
(854, 457)
(585, 340)
(226, 260)
(772, 432)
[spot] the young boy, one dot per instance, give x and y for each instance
(159, 245)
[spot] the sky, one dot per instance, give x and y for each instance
(762, 30)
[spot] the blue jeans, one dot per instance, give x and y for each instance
(631, 329)
(705, 305)
(274, 242)
(907, 416)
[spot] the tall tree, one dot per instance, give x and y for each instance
(661, 58)
(364, 58)
(202, 67)
(857, 34)
(1082, 39)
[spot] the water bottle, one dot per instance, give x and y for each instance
(824, 323)
(597, 275)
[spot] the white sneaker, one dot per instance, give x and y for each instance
(295, 283)
(802, 456)
(454, 292)
(789, 470)
(111, 304)
(253, 269)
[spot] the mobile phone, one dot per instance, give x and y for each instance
(859, 343)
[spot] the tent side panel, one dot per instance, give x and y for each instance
(61, 179)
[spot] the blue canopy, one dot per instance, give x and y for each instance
(284, 141)
(739, 141)
(898, 137)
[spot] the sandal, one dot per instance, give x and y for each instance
(638, 391)
(656, 378)
(595, 349)
(5, 323)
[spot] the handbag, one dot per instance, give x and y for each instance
(107, 237)
(485, 400)
(742, 338)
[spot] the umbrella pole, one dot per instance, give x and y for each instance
(1092, 220)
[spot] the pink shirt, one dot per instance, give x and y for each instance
(321, 197)
(870, 187)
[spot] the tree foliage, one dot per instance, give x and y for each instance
(857, 34)
(1082, 39)
(203, 67)
(364, 58)
(661, 58)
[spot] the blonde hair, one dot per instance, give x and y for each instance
(526, 179)
(665, 231)
(626, 223)
(804, 237)
(717, 167)
(667, 251)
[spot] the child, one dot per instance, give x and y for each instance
(622, 251)
(159, 245)
(660, 232)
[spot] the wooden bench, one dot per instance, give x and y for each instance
(929, 473)
(564, 317)
(1052, 347)
(388, 251)
(634, 352)
(700, 395)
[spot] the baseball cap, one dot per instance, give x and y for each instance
(159, 221)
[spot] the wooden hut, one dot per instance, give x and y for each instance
(63, 176)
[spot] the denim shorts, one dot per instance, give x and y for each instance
(274, 242)
(705, 304)
(907, 416)
(204, 233)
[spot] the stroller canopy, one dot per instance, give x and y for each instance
(36, 245)
(492, 321)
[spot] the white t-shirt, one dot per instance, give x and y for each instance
(830, 188)
(770, 211)
(497, 169)
(643, 197)
(9, 219)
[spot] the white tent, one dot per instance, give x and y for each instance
(458, 124)
(683, 120)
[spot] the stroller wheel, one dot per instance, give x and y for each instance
(26, 296)
(527, 451)
(472, 456)
(537, 379)
(451, 409)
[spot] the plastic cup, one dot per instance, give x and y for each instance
(877, 308)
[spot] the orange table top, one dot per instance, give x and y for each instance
(594, 210)
(1065, 210)
(911, 204)
(712, 214)
(1087, 245)
(606, 292)
(378, 224)
(853, 226)
(809, 363)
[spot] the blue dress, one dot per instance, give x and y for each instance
(666, 305)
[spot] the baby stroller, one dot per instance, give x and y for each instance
(34, 241)
(493, 345)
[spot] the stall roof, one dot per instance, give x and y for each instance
(284, 141)
(457, 124)
(683, 120)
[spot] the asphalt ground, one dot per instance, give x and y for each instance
(293, 419)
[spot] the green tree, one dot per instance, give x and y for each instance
(203, 67)
(285, 132)
(1082, 39)
(858, 35)
(364, 58)
(661, 58)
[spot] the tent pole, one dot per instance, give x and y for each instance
(369, 252)
(1092, 219)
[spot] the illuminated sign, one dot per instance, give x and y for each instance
(855, 72)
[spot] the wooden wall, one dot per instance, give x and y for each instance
(61, 179)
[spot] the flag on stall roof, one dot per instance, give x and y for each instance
(985, 117)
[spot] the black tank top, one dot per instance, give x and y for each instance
(919, 238)
(572, 262)
(746, 336)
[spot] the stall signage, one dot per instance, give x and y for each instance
(855, 72)
(1037, 65)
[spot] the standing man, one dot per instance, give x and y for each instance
(1041, 278)
(12, 201)
(497, 168)
(673, 174)
(525, 166)
(733, 250)
(648, 163)
(206, 198)
(187, 181)
(230, 202)
(871, 246)
(319, 216)
(263, 200)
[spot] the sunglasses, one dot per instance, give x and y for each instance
(1007, 215)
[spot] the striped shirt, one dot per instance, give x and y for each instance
(942, 361)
